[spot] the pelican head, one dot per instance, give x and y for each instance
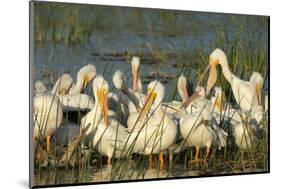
(155, 95)
(182, 88)
(216, 57)
(63, 84)
(40, 87)
(135, 72)
(86, 75)
(119, 80)
(100, 89)
(257, 81)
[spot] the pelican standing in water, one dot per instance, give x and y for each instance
(47, 116)
(154, 131)
(105, 133)
(201, 130)
(244, 93)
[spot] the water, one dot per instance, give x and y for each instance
(104, 173)
(134, 30)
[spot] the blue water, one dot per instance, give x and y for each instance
(187, 32)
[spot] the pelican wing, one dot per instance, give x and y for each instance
(76, 102)
(220, 134)
(116, 134)
(243, 94)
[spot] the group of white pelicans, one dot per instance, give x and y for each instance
(129, 121)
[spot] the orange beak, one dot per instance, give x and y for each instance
(135, 78)
(184, 89)
(203, 75)
(219, 104)
(150, 98)
(258, 92)
(212, 76)
(102, 97)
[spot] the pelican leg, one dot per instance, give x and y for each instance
(48, 139)
(150, 160)
(109, 161)
(207, 152)
(161, 160)
(196, 159)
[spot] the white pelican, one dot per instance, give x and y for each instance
(154, 130)
(201, 130)
(174, 110)
(47, 116)
(245, 94)
(62, 84)
(84, 76)
(105, 133)
(244, 133)
(245, 125)
(225, 110)
(39, 88)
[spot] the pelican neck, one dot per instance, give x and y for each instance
(77, 88)
(225, 70)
